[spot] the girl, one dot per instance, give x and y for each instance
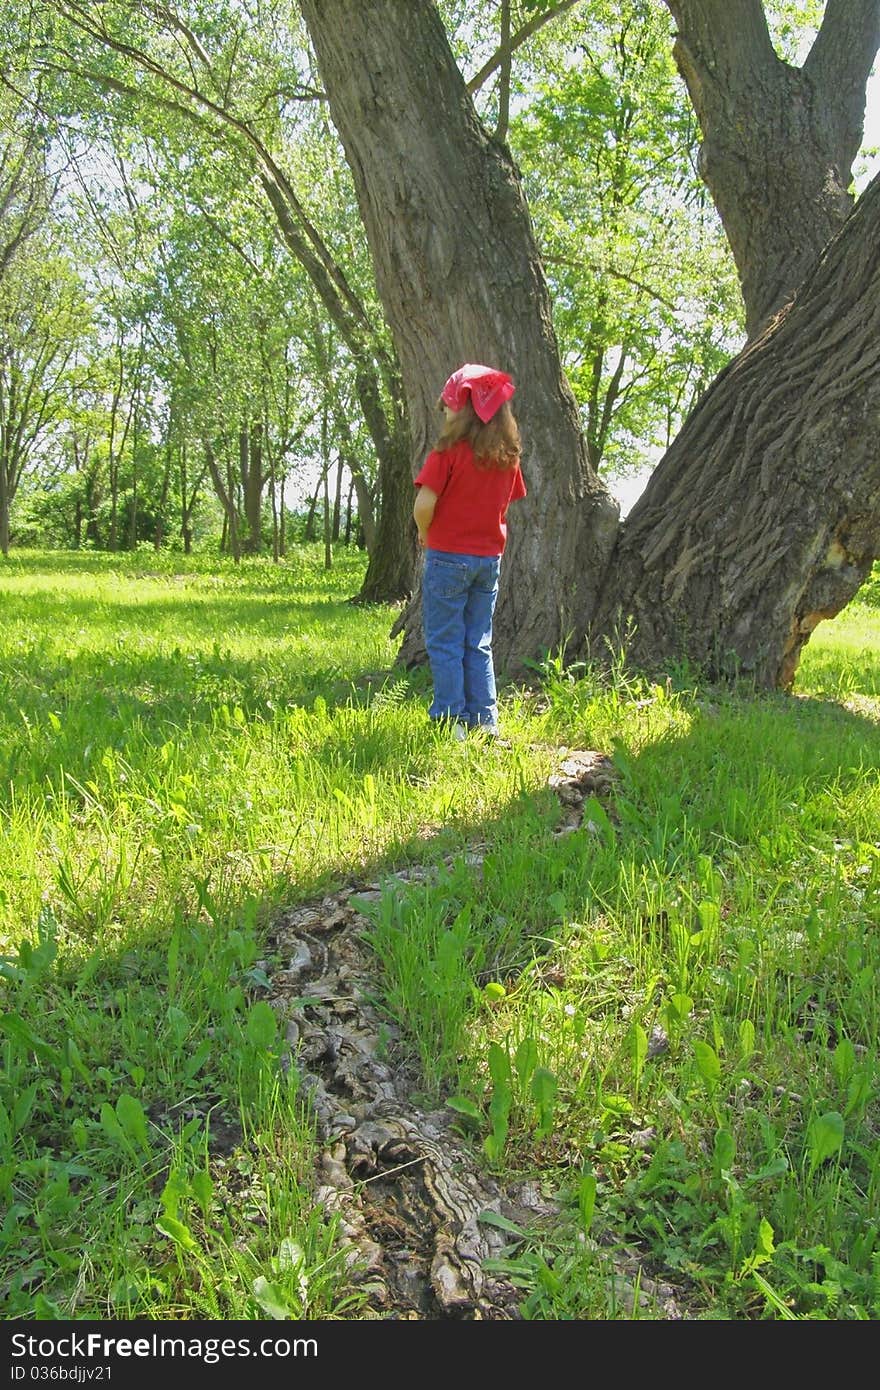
(464, 488)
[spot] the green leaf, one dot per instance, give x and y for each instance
(494, 991)
(544, 1089)
(764, 1249)
(494, 1218)
(774, 1169)
(499, 1110)
(708, 1064)
(826, 1137)
(709, 914)
(525, 1059)
(844, 1059)
(262, 1025)
(202, 1190)
(724, 1150)
(175, 1191)
(175, 1230)
(499, 1065)
(130, 1114)
(594, 818)
(45, 1310)
(113, 1129)
(290, 1255)
(493, 1146)
(638, 1042)
(464, 1106)
(16, 1029)
(746, 1038)
(586, 1200)
(195, 1063)
(859, 1091)
(773, 1298)
(678, 1006)
(24, 1104)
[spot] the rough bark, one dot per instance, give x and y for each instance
(778, 141)
(763, 517)
(460, 280)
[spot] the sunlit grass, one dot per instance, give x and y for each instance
(186, 746)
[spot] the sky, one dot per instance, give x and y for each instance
(872, 125)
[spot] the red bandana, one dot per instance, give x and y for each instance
(487, 387)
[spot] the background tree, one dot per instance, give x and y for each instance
(43, 317)
(240, 84)
(645, 301)
(779, 141)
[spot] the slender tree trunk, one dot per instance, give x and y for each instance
(460, 280)
(232, 515)
(185, 528)
(337, 501)
(364, 504)
(325, 458)
(252, 485)
(273, 491)
(309, 533)
(778, 141)
(348, 509)
(4, 506)
(227, 495)
(328, 548)
(764, 516)
(161, 517)
(133, 519)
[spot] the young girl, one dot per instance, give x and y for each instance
(464, 488)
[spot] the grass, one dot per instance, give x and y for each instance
(668, 1018)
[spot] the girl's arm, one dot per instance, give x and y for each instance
(423, 512)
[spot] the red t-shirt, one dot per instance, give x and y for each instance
(470, 517)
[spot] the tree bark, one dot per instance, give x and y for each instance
(253, 481)
(778, 141)
(460, 280)
(763, 517)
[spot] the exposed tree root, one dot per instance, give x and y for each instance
(399, 1177)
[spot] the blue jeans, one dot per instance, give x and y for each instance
(458, 601)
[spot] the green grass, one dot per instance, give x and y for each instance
(668, 1017)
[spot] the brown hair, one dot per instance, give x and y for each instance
(496, 443)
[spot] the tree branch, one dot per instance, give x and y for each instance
(517, 40)
(602, 270)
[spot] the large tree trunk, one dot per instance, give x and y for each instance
(460, 280)
(778, 141)
(764, 516)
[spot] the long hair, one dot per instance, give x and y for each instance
(495, 442)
